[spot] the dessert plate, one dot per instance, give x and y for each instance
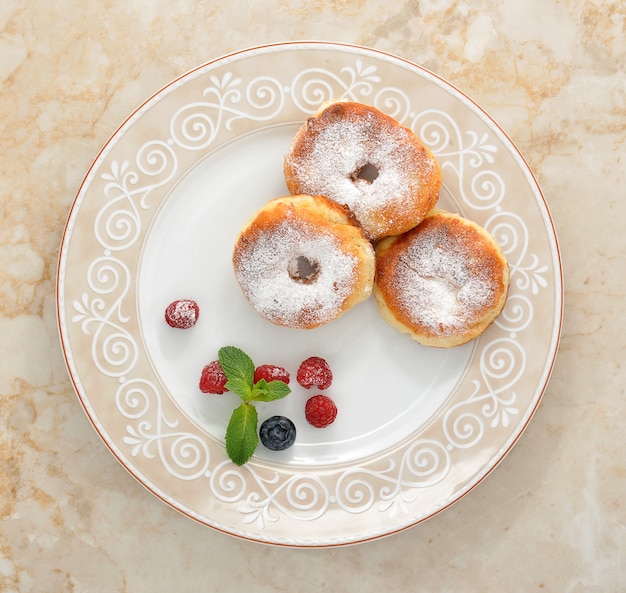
(156, 218)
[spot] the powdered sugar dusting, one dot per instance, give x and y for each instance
(334, 151)
(443, 288)
(262, 269)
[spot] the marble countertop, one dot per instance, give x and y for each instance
(551, 517)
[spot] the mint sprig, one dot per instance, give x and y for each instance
(268, 392)
(241, 432)
(239, 370)
(241, 435)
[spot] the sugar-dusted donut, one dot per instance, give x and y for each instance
(443, 282)
(358, 156)
(302, 261)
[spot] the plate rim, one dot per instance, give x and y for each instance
(557, 273)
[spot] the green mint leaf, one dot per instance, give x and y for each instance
(239, 370)
(258, 390)
(268, 392)
(241, 433)
(240, 387)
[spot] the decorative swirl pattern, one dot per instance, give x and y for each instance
(312, 87)
(193, 127)
(516, 315)
(118, 223)
(469, 162)
(228, 482)
(424, 463)
(113, 348)
(527, 272)
(357, 489)
(479, 187)
(196, 125)
(502, 363)
(185, 455)
(265, 95)
(303, 497)
(155, 160)
(394, 102)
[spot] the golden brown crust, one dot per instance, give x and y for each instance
(327, 236)
(330, 150)
(444, 282)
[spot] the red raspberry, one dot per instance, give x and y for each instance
(320, 411)
(269, 372)
(213, 379)
(315, 372)
(182, 314)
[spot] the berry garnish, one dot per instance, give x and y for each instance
(270, 372)
(314, 372)
(278, 433)
(182, 314)
(213, 379)
(320, 411)
(241, 432)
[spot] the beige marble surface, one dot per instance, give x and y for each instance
(550, 518)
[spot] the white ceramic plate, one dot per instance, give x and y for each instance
(156, 219)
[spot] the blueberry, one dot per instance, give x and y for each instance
(277, 433)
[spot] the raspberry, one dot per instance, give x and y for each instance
(213, 379)
(320, 411)
(277, 433)
(315, 372)
(182, 314)
(269, 372)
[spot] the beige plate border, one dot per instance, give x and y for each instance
(166, 452)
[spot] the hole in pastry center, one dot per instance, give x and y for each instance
(367, 172)
(303, 269)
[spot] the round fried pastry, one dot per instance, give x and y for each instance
(358, 156)
(303, 261)
(443, 282)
